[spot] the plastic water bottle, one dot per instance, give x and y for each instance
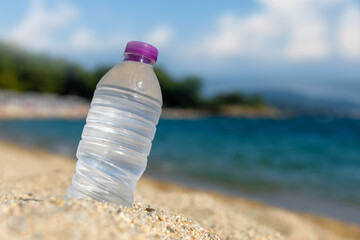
(121, 123)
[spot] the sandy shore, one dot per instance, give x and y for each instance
(32, 184)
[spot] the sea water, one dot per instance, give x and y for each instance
(308, 163)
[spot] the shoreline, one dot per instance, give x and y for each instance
(167, 114)
(324, 221)
(15, 105)
(298, 203)
(220, 215)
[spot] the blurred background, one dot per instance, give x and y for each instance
(261, 98)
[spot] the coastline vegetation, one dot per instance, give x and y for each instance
(24, 71)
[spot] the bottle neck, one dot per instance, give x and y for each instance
(138, 58)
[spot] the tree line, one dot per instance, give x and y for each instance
(24, 71)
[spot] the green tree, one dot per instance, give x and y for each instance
(24, 71)
(179, 93)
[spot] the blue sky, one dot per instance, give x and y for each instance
(307, 46)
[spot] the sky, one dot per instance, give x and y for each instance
(306, 46)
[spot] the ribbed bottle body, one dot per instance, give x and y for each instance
(116, 141)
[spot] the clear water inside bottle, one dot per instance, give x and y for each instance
(116, 140)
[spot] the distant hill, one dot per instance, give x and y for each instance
(296, 103)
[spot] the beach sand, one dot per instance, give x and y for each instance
(33, 183)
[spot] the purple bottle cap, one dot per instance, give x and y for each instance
(142, 48)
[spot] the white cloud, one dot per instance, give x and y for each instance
(246, 37)
(39, 29)
(52, 28)
(85, 39)
(307, 40)
(291, 29)
(160, 36)
(349, 32)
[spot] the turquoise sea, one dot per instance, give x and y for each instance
(305, 163)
